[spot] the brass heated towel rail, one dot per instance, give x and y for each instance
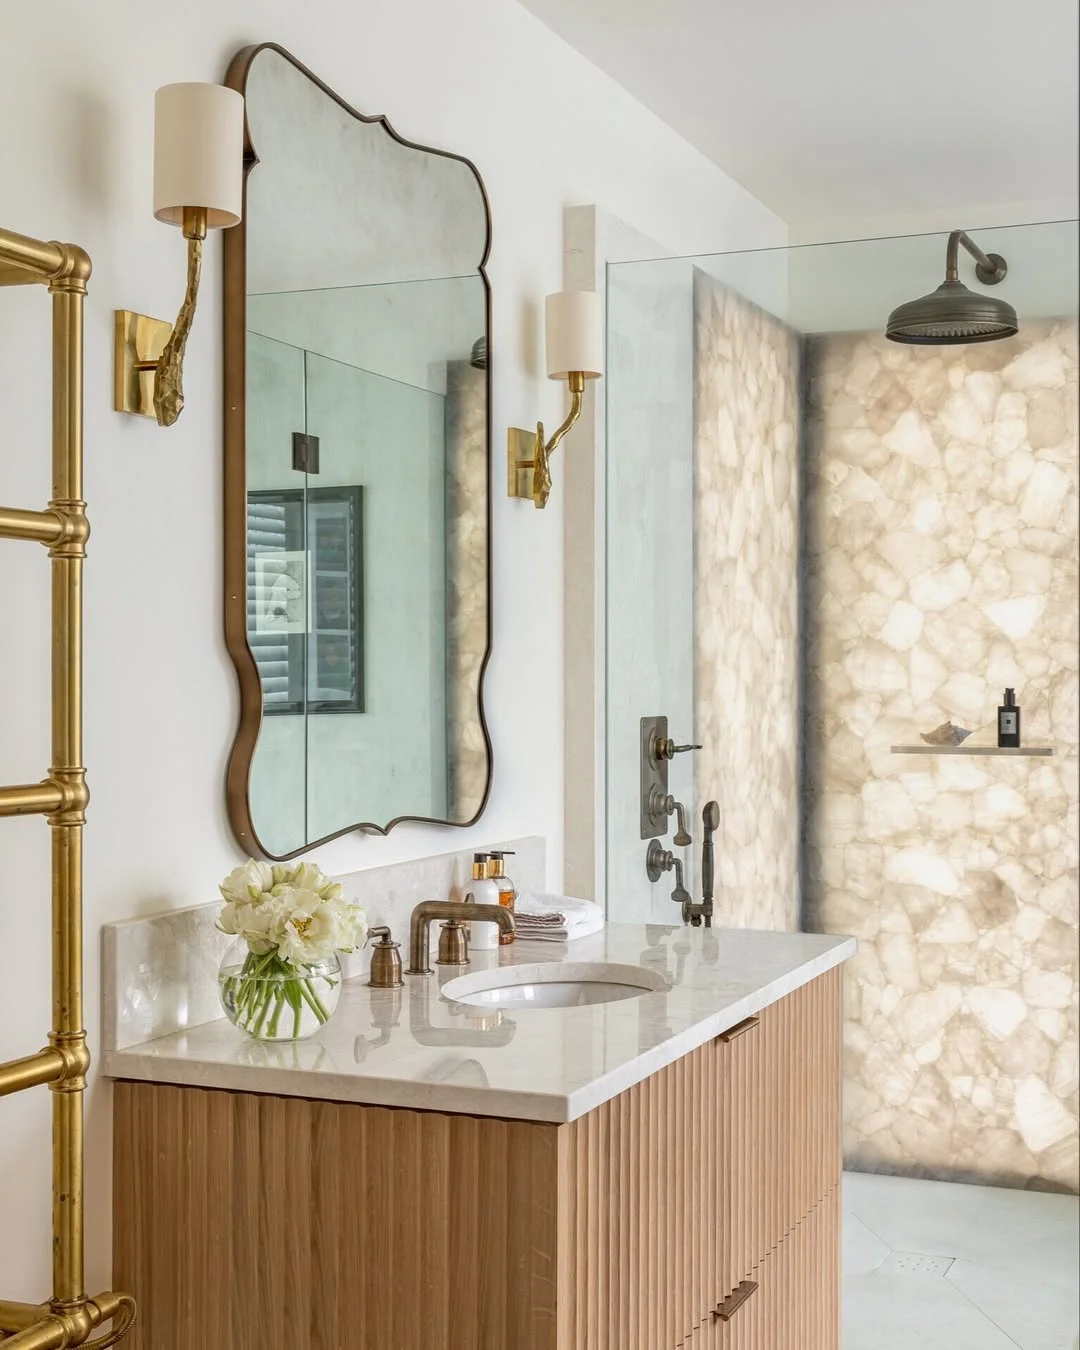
(69, 1318)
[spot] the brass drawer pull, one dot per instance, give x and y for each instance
(739, 1029)
(734, 1301)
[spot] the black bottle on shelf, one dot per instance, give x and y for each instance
(1009, 722)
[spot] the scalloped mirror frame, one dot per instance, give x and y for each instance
(242, 754)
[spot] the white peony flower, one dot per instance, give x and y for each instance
(230, 919)
(308, 877)
(292, 907)
(354, 927)
(311, 931)
(247, 883)
(264, 925)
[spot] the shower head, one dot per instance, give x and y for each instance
(953, 314)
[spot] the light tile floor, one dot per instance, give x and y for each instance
(929, 1265)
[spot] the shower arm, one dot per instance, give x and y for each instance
(987, 268)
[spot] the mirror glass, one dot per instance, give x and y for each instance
(365, 464)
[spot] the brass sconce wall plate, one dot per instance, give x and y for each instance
(520, 461)
(138, 344)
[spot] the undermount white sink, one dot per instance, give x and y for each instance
(554, 984)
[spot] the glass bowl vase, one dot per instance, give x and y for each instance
(276, 1000)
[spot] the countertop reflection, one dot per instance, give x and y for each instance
(414, 1047)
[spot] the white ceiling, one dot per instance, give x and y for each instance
(849, 116)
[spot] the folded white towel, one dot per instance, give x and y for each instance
(555, 918)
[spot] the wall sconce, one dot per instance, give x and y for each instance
(198, 185)
(574, 324)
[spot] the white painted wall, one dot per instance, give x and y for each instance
(546, 129)
(650, 563)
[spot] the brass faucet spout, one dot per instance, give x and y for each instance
(426, 910)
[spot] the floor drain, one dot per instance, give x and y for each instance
(915, 1263)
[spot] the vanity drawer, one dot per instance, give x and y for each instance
(674, 1190)
(778, 1125)
(791, 1300)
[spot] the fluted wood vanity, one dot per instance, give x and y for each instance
(695, 1206)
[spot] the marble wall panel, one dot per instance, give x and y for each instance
(747, 384)
(467, 587)
(941, 566)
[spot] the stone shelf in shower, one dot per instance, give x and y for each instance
(1042, 751)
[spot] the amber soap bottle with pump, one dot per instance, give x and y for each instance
(496, 872)
(1009, 722)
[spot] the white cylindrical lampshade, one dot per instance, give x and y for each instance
(575, 334)
(198, 152)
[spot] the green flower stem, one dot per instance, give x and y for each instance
(277, 1012)
(318, 1007)
(265, 986)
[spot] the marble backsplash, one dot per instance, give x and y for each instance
(159, 974)
(941, 561)
(747, 385)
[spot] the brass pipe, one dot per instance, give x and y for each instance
(19, 1074)
(48, 1334)
(67, 824)
(52, 1330)
(19, 1316)
(29, 799)
(17, 276)
(44, 527)
(70, 1317)
(34, 255)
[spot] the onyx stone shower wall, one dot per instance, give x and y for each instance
(746, 562)
(466, 592)
(940, 566)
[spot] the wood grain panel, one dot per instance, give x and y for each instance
(676, 1190)
(637, 1234)
(796, 1305)
(266, 1223)
(779, 1131)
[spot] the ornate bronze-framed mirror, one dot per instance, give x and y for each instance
(357, 471)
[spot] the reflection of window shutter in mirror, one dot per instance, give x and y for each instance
(266, 533)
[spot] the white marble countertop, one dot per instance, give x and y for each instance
(412, 1047)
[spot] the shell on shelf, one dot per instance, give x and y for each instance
(946, 734)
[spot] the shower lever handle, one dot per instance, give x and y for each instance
(667, 749)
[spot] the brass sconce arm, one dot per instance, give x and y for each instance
(169, 367)
(531, 478)
(139, 337)
(576, 382)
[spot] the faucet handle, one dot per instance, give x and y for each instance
(385, 960)
(453, 944)
(665, 803)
